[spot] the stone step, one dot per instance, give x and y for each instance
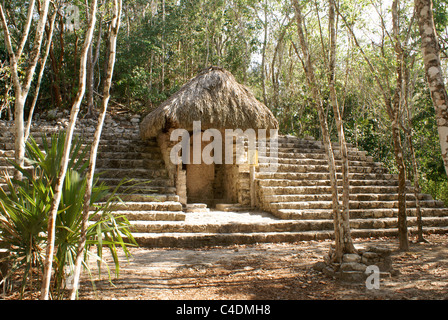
(148, 197)
(130, 173)
(277, 226)
(104, 163)
(319, 162)
(148, 215)
(323, 176)
(353, 205)
(292, 214)
(327, 190)
(232, 207)
(306, 154)
(353, 197)
(326, 183)
(324, 168)
(119, 148)
(197, 240)
(148, 206)
(137, 182)
(129, 155)
(196, 207)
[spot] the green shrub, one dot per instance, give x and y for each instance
(25, 206)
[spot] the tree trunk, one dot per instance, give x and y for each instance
(431, 56)
(394, 111)
(263, 54)
(65, 157)
(41, 73)
(21, 83)
(92, 61)
(346, 242)
(340, 233)
(115, 25)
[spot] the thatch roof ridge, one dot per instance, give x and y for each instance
(216, 99)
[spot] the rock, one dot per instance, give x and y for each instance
(353, 266)
(380, 250)
(353, 276)
(351, 257)
(319, 266)
(135, 120)
(370, 258)
(51, 114)
(385, 264)
(370, 255)
(328, 271)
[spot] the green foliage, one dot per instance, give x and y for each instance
(25, 206)
(438, 189)
(23, 214)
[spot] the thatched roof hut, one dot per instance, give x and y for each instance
(216, 99)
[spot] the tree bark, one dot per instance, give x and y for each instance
(263, 54)
(431, 56)
(392, 106)
(346, 242)
(115, 25)
(41, 73)
(394, 114)
(92, 61)
(65, 157)
(22, 86)
(340, 236)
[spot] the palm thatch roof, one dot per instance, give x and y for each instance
(216, 99)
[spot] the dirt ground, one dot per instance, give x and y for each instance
(269, 272)
(282, 271)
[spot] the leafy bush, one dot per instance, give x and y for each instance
(25, 206)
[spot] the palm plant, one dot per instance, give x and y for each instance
(24, 209)
(25, 206)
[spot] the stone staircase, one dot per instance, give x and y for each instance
(294, 202)
(300, 190)
(148, 197)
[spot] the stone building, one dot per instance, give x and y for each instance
(211, 104)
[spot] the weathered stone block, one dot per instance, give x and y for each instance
(353, 266)
(352, 276)
(351, 257)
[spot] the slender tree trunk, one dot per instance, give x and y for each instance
(263, 54)
(407, 91)
(340, 246)
(346, 242)
(92, 61)
(394, 115)
(41, 73)
(21, 83)
(163, 46)
(393, 109)
(431, 56)
(45, 290)
(115, 24)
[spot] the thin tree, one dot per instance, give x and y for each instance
(43, 62)
(22, 84)
(346, 241)
(65, 156)
(114, 27)
(343, 241)
(431, 57)
(392, 104)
